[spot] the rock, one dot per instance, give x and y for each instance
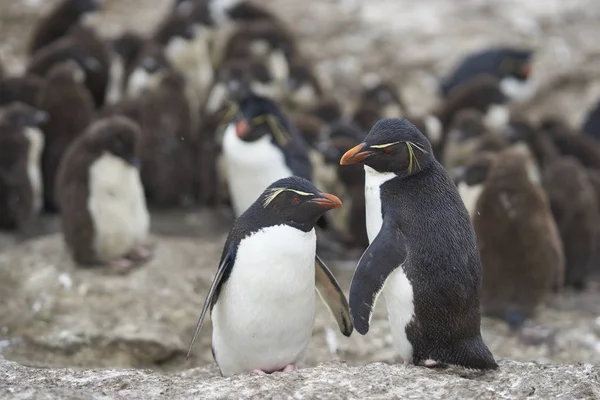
(334, 380)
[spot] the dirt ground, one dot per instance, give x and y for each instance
(54, 314)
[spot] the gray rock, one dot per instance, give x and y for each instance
(334, 380)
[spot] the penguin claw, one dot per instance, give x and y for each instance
(121, 266)
(140, 254)
(289, 368)
(258, 371)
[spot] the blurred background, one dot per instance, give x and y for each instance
(54, 313)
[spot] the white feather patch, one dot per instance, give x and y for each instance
(497, 117)
(34, 172)
(117, 206)
(434, 129)
(115, 81)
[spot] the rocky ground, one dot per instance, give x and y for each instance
(52, 314)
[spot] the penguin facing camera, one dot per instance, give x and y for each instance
(422, 253)
(21, 144)
(261, 147)
(512, 66)
(70, 109)
(262, 299)
(519, 242)
(104, 217)
(57, 23)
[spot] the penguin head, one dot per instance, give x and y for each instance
(392, 145)
(19, 114)
(303, 89)
(260, 116)
(117, 135)
(515, 62)
(66, 72)
(382, 96)
(476, 170)
(341, 136)
(466, 124)
(175, 26)
(127, 46)
(295, 201)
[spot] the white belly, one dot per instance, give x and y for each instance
(251, 168)
(117, 205)
(397, 289)
(264, 316)
(34, 172)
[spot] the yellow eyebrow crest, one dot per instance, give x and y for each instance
(383, 146)
(273, 193)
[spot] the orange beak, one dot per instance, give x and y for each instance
(327, 201)
(355, 155)
(242, 128)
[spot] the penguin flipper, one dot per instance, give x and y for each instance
(332, 295)
(226, 264)
(386, 253)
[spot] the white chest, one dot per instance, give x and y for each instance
(397, 290)
(117, 206)
(34, 172)
(251, 167)
(264, 316)
(115, 81)
(373, 182)
(469, 196)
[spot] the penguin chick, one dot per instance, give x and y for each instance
(303, 88)
(420, 235)
(379, 99)
(24, 89)
(103, 211)
(21, 145)
(518, 239)
(583, 147)
(66, 48)
(470, 178)
(58, 22)
(147, 70)
(260, 148)
(253, 329)
(511, 65)
(70, 109)
(168, 146)
(97, 78)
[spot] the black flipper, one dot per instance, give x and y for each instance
(333, 296)
(384, 255)
(226, 264)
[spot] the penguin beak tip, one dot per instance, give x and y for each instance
(328, 201)
(355, 155)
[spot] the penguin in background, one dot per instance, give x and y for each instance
(57, 23)
(260, 148)
(21, 144)
(104, 217)
(303, 89)
(168, 145)
(573, 202)
(147, 70)
(64, 49)
(422, 253)
(70, 109)
(124, 51)
(519, 242)
(379, 99)
(591, 122)
(21, 88)
(470, 178)
(583, 147)
(512, 66)
(270, 255)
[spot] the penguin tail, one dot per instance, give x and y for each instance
(470, 353)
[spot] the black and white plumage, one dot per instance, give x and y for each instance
(262, 299)
(422, 251)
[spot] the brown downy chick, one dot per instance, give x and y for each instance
(521, 250)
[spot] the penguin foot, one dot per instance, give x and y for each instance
(289, 368)
(430, 363)
(140, 254)
(258, 371)
(406, 363)
(121, 266)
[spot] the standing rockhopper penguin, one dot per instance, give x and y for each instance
(103, 210)
(422, 251)
(262, 299)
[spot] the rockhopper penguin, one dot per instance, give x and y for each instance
(422, 253)
(262, 299)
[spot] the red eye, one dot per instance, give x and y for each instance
(296, 199)
(387, 151)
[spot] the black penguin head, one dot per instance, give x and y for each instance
(294, 201)
(66, 72)
(19, 114)
(86, 6)
(152, 59)
(117, 135)
(476, 170)
(176, 25)
(341, 136)
(392, 145)
(466, 124)
(128, 46)
(515, 62)
(261, 116)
